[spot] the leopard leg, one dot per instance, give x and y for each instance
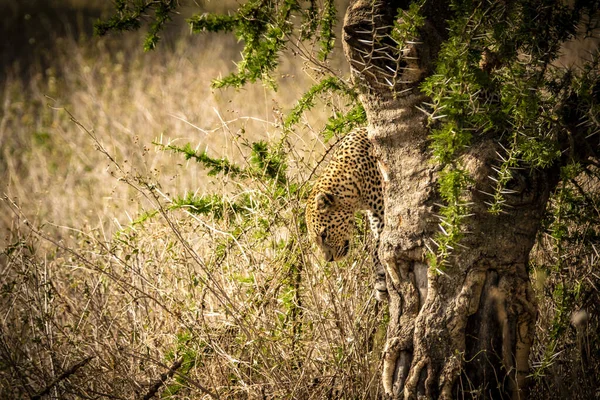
(381, 292)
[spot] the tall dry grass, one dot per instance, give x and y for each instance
(236, 308)
(130, 99)
(109, 292)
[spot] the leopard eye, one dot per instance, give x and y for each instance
(323, 235)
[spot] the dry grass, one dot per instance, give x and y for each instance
(109, 293)
(131, 99)
(245, 315)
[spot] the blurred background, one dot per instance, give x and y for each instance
(49, 60)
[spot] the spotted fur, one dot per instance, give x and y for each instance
(351, 182)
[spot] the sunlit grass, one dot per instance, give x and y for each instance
(104, 284)
(104, 288)
(130, 99)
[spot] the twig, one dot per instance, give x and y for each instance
(163, 378)
(62, 377)
(183, 376)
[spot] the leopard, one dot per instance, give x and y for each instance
(350, 182)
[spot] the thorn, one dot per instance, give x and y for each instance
(392, 39)
(423, 111)
(443, 230)
(383, 49)
(428, 248)
(489, 194)
(383, 72)
(405, 90)
(385, 57)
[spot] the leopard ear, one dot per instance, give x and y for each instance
(324, 200)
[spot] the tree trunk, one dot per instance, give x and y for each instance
(467, 331)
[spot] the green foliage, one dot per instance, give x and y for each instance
(503, 177)
(214, 166)
(213, 23)
(337, 124)
(130, 13)
(407, 23)
(327, 25)
(264, 161)
(213, 205)
(481, 88)
(307, 101)
(449, 140)
(453, 180)
(341, 123)
(263, 43)
(264, 27)
(269, 162)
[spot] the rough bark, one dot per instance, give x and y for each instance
(467, 331)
